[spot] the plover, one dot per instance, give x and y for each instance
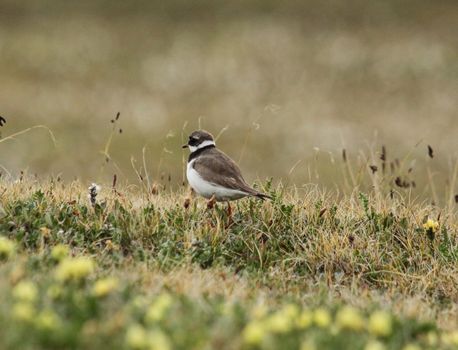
(212, 174)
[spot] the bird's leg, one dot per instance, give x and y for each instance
(229, 215)
(229, 210)
(211, 202)
(188, 199)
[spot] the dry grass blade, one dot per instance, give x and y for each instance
(25, 131)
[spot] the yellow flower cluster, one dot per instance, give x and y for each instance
(25, 294)
(139, 338)
(105, 286)
(280, 322)
(411, 347)
(322, 318)
(59, 252)
(283, 320)
(24, 312)
(254, 332)
(158, 308)
(25, 291)
(7, 248)
(74, 269)
(379, 324)
(308, 344)
(431, 225)
(305, 319)
(451, 339)
(350, 318)
(374, 345)
(47, 320)
(55, 291)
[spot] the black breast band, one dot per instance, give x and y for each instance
(195, 154)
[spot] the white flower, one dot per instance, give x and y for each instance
(94, 190)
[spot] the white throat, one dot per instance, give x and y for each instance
(202, 145)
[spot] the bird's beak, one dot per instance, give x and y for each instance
(184, 146)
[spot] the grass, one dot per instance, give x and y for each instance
(282, 77)
(184, 277)
(315, 87)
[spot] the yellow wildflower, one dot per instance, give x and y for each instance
(7, 248)
(322, 318)
(432, 338)
(158, 340)
(349, 318)
(308, 345)
(160, 306)
(283, 320)
(431, 225)
(54, 291)
(454, 337)
(374, 345)
(47, 320)
(450, 338)
(136, 337)
(305, 319)
(411, 346)
(24, 312)
(25, 291)
(74, 269)
(105, 286)
(59, 252)
(290, 310)
(253, 333)
(278, 322)
(380, 323)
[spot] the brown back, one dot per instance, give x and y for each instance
(216, 167)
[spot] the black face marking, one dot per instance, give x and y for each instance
(2, 121)
(194, 141)
(198, 137)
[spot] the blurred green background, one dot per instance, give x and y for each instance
(291, 83)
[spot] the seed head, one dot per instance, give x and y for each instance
(430, 152)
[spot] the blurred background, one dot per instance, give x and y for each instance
(287, 84)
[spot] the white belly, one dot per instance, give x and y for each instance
(207, 189)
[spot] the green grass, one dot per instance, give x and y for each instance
(189, 278)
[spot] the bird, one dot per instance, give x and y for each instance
(214, 175)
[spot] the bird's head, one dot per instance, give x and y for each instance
(198, 140)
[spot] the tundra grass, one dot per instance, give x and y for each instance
(308, 270)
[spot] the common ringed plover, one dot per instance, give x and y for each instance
(212, 174)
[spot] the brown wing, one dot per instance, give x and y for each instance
(216, 167)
